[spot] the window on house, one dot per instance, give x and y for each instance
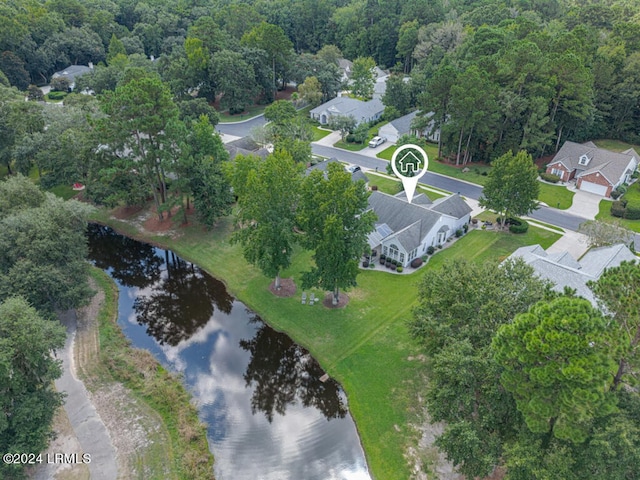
(385, 250)
(583, 160)
(393, 251)
(402, 258)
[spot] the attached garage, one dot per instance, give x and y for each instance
(594, 188)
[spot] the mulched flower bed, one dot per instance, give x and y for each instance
(287, 288)
(342, 301)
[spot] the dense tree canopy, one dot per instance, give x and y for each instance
(28, 399)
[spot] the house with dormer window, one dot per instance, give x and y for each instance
(405, 230)
(593, 169)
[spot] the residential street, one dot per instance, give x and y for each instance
(548, 215)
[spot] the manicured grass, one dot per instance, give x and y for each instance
(64, 191)
(352, 147)
(392, 186)
(474, 175)
(250, 112)
(319, 133)
(182, 451)
(366, 345)
(604, 215)
(556, 196)
(616, 145)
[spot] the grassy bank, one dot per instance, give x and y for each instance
(187, 455)
(365, 346)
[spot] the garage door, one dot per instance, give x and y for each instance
(593, 188)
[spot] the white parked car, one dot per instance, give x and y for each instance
(376, 142)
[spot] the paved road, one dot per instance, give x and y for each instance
(544, 214)
(241, 129)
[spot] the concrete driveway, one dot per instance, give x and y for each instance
(585, 205)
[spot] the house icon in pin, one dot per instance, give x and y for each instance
(410, 164)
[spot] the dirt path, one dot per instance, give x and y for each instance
(126, 439)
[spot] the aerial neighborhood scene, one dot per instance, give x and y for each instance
(320, 239)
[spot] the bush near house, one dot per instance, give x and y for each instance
(549, 177)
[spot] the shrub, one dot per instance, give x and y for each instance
(549, 177)
(430, 250)
(622, 189)
(56, 95)
(465, 227)
(459, 233)
(399, 269)
(635, 174)
(439, 247)
(617, 209)
(520, 227)
(632, 210)
(416, 262)
(615, 194)
(383, 257)
(365, 264)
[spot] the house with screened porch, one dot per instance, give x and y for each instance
(405, 230)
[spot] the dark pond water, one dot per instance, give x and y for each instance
(268, 415)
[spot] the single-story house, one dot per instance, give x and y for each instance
(393, 130)
(564, 271)
(322, 166)
(245, 146)
(72, 72)
(594, 169)
(405, 230)
(362, 111)
(345, 67)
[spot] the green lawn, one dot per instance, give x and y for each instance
(616, 145)
(352, 147)
(250, 112)
(319, 133)
(604, 215)
(392, 186)
(365, 346)
(556, 196)
(474, 175)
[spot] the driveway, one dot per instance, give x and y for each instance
(573, 242)
(585, 205)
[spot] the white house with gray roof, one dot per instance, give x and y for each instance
(594, 169)
(405, 230)
(362, 111)
(72, 72)
(393, 130)
(564, 271)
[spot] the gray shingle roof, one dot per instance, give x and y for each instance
(410, 222)
(322, 166)
(345, 106)
(611, 165)
(453, 205)
(400, 215)
(564, 271)
(72, 71)
(403, 124)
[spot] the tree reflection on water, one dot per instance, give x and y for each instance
(284, 372)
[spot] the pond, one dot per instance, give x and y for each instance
(268, 415)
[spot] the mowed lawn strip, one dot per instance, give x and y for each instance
(556, 196)
(366, 345)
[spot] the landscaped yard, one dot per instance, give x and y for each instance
(556, 196)
(616, 145)
(365, 345)
(319, 133)
(604, 215)
(474, 175)
(251, 111)
(352, 147)
(392, 186)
